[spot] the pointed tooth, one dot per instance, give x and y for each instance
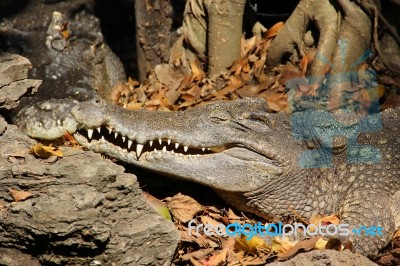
(176, 145)
(129, 143)
(203, 149)
(151, 143)
(164, 149)
(99, 129)
(109, 130)
(172, 152)
(139, 148)
(185, 148)
(123, 139)
(198, 155)
(102, 139)
(115, 135)
(160, 141)
(90, 133)
(155, 150)
(169, 141)
(209, 149)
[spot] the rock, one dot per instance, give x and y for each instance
(16, 258)
(84, 209)
(326, 257)
(14, 82)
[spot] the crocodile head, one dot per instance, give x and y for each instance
(229, 146)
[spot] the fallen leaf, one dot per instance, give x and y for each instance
(303, 245)
(334, 243)
(20, 195)
(183, 207)
(217, 259)
(282, 245)
(321, 244)
(198, 255)
(67, 136)
(197, 71)
(168, 75)
(45, 152)
(273, 31)
(158, 206)
(251, 245)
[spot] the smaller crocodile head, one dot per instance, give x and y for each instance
(232, 146)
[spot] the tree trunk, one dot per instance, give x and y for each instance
(225, 20)
(153, 34)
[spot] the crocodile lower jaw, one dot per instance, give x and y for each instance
(108, 141)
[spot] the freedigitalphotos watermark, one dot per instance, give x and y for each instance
(283, 230)
(353, 92)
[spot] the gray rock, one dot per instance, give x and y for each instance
(326, 257)
(14, 82)
(84, 208)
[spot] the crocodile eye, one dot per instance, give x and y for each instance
(220, 116)
(217, 120)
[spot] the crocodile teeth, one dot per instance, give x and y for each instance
(209, 149)
(203, 149)
(139, 148)
(129, 143)
(99, 129)
(109, 130)
(176, 145)
(115, 135)
(169, 141)
(160, 141)
(102, 139)
(164, 149)
(123, 139)
(151, 143)
(185, 148)
(90, 133)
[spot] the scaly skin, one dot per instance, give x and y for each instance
(253, 161)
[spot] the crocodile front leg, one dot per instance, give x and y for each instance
(370, 218)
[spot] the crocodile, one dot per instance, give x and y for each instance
(250, 157)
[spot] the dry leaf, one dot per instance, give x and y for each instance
(324, 220)
(217, 259)
(303, 245)
(304, 64)
(183, 207)
(168, 76)
(334, 243)
(199, 254)
(158, 206)
(251, 245)
(45, 152)
(321, 244)
(197, 71)
(68, 137)
(282, 245)
(20, 195)
(273, 31)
